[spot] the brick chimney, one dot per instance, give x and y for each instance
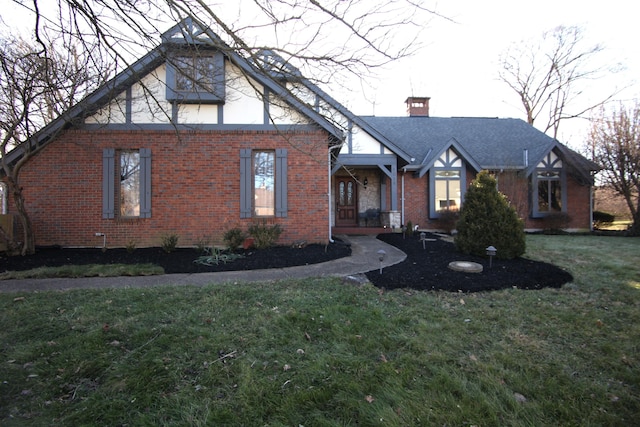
(417, 106)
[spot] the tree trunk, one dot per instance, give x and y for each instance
(634, 230)
(28, 238)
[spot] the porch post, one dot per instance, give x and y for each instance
(394, 186)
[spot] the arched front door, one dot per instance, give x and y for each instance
(346, 202)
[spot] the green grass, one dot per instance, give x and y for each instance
(323, 353)
(90, 270)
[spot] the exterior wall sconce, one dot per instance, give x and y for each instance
(365, 182)
(381, 255)
(491, 251)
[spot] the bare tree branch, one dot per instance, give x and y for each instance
(551, 76)
(615, 141)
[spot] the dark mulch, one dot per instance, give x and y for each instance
(181, 260)
(427, 269)
(423, 269)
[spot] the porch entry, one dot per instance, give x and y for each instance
(346, 202)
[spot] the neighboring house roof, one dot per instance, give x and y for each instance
(486, 143)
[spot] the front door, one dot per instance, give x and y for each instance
(346, 202)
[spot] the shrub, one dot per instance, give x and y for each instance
(602, 219)
(203, 244)
(131, 246)
(447, 219)
(409, 229)
(169, 243)
(215, 256)
(234, 238)
(554, 223)
(264, 236)
(487, 219)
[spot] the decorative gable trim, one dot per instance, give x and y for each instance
(430, 161)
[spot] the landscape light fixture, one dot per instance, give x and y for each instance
(491, 251)
(381, 255)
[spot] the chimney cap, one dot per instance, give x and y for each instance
(418, 106)
(417, 99)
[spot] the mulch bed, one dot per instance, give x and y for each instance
(424, 269)
(427, 269)
(179, 261)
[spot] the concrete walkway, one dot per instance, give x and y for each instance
(364, 257)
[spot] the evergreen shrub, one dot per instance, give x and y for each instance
(487, 219)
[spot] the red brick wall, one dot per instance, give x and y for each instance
(195, 187)
(513, 186)
(416, 205)
(578, 208)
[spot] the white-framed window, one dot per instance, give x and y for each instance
(446, 183)
(549, 184)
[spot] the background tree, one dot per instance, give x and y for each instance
(551, 76)
(615, 140)
(37, 83)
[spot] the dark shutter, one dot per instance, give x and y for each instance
(108, 183)
(145, 183)
(281, 183)
(245, 184)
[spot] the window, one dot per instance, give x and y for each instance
(129, 184)
(548, 182)
(126, 183)
(445, 183)
(195, 77)
(263, 183)
(447, 186)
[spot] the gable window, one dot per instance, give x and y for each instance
(126, 183)
(446, 183)
(195, 77)
(263, 183)
(548, 184)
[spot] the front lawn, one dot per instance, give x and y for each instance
(324, 352)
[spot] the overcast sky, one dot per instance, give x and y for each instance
(458, 67)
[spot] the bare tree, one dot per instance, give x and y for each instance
(615, 141)
(551, 76)
(328, 37)
(37, 83)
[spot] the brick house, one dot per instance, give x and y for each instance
(194, 140)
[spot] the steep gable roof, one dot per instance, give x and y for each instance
(187, 33)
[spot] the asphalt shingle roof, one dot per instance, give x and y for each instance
(491, 142)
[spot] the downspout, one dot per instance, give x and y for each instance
(403, 223)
